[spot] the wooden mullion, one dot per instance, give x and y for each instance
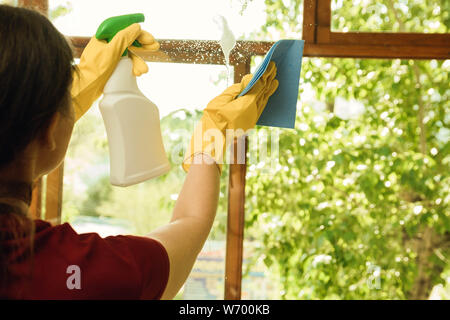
(236, 210)
(323, 16)
(390, 39)
(309, 21)
(376, 52)
(36, 200)
(38, 5)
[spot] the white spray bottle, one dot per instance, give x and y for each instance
(132, 124)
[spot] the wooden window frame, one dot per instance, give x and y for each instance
(320, 41)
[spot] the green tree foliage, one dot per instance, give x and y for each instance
(97, 193)
(9, 2)
(59, 11)
(359, 208)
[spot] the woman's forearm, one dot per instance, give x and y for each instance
(200, 193)
(192, 219)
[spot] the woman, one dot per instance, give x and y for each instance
(41, 96)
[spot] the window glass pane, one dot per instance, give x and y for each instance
(420, 16)
(168, 19)
(9, 2)
(206, 281)
(92, 204)
(258, 281)
(340, 210)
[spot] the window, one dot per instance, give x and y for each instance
(90, 203)
(327, 43)
(336, 217)
(327, 34)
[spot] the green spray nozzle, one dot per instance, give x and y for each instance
(108, 28)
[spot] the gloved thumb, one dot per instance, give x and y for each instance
(245, 81)
(147, 41)
(233, 91)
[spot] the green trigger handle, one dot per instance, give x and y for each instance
(108, 28)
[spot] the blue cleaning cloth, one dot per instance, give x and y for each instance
(282, 105)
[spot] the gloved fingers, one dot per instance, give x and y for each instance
(273, 87)
(148, 47)
(270, 72)
(147, 41)
(258, 88)
(124, 38)
(264, 98)
(267, 77)
(145, 48)
(246, 80)
(145, 37)
(139, 65)
(269, 88)
(260, 85)
(234, 90)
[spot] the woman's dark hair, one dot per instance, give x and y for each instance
(36, 64)
(35, 77)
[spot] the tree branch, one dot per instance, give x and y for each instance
(401, 25)
(421, 114)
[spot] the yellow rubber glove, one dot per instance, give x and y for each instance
(98, 61)
(226, 112)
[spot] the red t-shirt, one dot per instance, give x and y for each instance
(115, 267)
